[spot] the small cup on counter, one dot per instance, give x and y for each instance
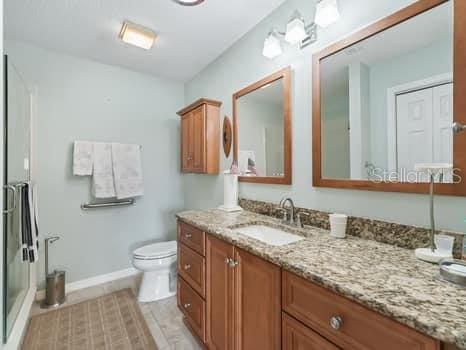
(444, 243)
(338, 223)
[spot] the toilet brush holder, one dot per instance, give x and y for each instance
(54, 282)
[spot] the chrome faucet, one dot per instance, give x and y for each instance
(290, 206)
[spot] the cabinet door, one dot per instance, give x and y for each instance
(186, 131)
(198, 139)
(297, 336)
(219, 295)
(257, 303)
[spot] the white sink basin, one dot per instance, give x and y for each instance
(268, 235)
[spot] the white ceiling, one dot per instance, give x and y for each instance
(189, 37)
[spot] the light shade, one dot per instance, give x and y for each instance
(326, 13)
(272, 46)
(188, 2)
(137, 35)
(295, 31)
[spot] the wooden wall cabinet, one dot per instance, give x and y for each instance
(243, 299)
(200, 137)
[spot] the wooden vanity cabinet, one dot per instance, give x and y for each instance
(243, 299)
(346, 323)
(200, 137)
(234, 300)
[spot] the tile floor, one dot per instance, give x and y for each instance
(163, 317)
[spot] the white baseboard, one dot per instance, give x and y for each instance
(93, 281)
(16, 335)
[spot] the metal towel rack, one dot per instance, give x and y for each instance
(88, 206)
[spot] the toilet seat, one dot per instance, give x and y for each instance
(156, 251)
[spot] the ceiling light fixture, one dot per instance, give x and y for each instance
(326, 13)
(272, 45)
(137, 35)
(189, 2)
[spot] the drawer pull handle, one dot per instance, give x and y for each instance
(336, 322)
(188, 236)
(187, 267)
(187, 306)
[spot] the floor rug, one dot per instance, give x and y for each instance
(110, 322)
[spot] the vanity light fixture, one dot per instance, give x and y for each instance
(295, 29)
(298, 32)
(272, 45)
(326, 13)
(189, 2)
(137, 35)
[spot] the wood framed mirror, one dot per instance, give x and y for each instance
(262, 130)
(385, 99)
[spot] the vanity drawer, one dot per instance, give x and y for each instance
(297, 336)
(354, 326)
(193, 307)
(191, 266)
(192, 237)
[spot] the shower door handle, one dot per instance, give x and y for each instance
(9, 188)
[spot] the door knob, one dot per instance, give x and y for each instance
(458, 127)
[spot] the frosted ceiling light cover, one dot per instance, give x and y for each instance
(295, 31)
(137, 35)
(188, 2)
(272, 46)
(326, 13)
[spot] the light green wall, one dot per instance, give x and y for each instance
(79, 99)
(243, 64)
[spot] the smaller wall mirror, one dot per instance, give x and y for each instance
(262, 137)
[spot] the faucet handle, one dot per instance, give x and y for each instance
(299, 221)
(285, 214)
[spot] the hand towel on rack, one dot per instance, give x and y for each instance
(82, 158)
(127, 170)
(29, 225)
(102, 179)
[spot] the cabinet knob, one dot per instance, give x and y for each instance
(188, 236)
(336, 322)
(189, 158)
(227, 261)
(187, 306)
(187, 267)
(232, 263)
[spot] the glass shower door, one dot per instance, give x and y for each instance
(17, 138)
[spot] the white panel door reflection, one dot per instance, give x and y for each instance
(424, 133)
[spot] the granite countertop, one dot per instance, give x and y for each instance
(385, 278)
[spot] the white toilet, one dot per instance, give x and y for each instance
(158, 264)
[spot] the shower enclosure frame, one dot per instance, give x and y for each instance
(11, 336)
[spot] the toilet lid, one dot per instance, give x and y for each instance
(156, 250)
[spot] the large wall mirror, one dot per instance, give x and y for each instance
(385, 100)
(262, 137)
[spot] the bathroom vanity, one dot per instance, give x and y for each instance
(237, 292)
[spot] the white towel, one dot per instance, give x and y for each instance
(82, 158)
(243, 157)
(103, 184)
(127, 170)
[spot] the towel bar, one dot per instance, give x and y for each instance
(87, 206)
